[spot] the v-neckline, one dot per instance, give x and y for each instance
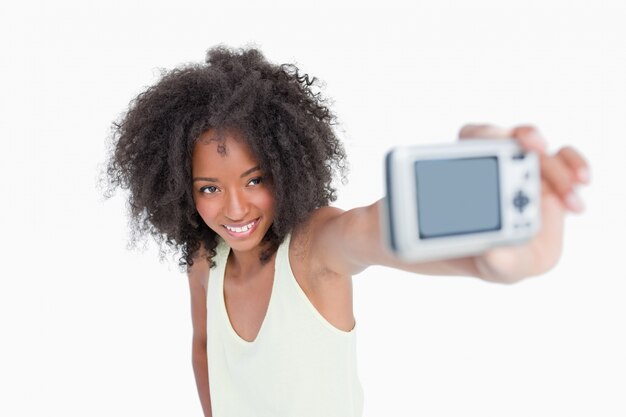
(267, 310)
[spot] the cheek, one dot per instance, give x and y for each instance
(266, 201)
(207, 211)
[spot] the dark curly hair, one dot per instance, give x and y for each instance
(282, 117)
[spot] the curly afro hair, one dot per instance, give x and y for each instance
(286, 124)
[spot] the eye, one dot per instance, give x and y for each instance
(255, 181)
(209, 189)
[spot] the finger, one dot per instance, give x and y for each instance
(561, 179)
(576, 163)
(527, 136)
(484, 131)
(530, 139)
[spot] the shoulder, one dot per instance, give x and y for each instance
(320, 217)
(306, 234)
(345, 242)
(309, 241)
(198, 272)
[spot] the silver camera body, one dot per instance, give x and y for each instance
(449, 201)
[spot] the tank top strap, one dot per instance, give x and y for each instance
(221, 257)
(282, 254)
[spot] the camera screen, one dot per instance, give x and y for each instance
(457, 196)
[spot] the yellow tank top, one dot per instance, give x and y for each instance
(299, 365)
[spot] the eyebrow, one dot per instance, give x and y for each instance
(209, 179)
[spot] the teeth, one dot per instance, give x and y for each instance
(240, 229)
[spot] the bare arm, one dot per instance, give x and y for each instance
(198, 279)
(348, 242)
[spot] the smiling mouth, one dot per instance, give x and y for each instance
(242, 230)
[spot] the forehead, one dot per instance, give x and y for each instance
(221, 150)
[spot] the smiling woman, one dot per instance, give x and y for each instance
(231, 193)
(227, 161)
(275, 109)
(231, 162)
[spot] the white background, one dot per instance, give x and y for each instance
(90, 328)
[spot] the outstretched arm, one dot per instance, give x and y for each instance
(348, 242)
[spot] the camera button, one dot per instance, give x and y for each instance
(520, 201)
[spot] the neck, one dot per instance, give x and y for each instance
(244, 266)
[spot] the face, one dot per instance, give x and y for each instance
(231, 192)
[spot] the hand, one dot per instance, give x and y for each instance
(561, 174)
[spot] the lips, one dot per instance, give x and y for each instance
(242, 229)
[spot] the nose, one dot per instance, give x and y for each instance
(236, 207)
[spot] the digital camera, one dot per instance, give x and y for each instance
(448, 201)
